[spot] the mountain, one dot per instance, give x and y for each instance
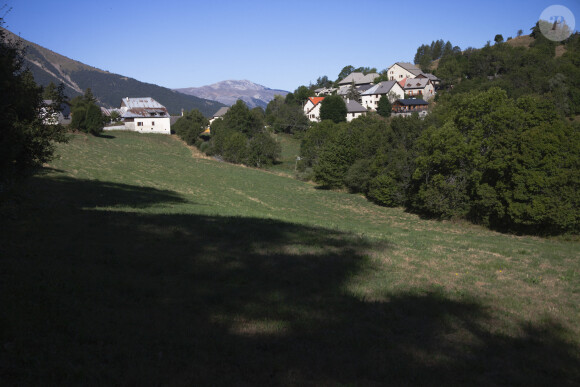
(228, 92)
(48, 66)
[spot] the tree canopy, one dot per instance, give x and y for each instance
(333, 108)
(28, 135)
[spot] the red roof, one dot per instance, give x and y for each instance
(402, 82)
(315, 100)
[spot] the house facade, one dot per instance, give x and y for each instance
(407, 107)
(370, 98)
(419, 87)
(145, 115)
(401, 70)
(312, 108)
(354, 110)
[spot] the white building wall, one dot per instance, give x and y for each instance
(152, 125)
(397, 73)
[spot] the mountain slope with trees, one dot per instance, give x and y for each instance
(47, 66)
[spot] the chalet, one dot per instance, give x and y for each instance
(434, 80)
(312, 108)
(370, 98)
(219, 114)
(401, 70)
(354, 110)
(419, 87)
(408, 106)
(145, 115)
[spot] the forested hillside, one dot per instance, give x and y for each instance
(500, 147)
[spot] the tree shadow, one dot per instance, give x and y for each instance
(106, 136)
(111, 296)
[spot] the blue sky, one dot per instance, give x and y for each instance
(278, 44)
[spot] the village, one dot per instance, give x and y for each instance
(408, 89)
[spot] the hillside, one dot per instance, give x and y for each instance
(48, 66)
(228, 92)
(129, 261)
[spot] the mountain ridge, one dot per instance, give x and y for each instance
(49, 66)
(229, 91)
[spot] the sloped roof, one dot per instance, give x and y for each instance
(315, 100)
(353, 106)
(410, 67)
(223, 110)
(402, 82)
(411, 102)
(380, 88)
(416, 83)
(142, 107)
(358, 78)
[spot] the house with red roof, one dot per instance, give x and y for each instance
(312, 108)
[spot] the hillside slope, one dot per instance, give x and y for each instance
(48, 66)
(130, 262)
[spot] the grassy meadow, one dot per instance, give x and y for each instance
(133, 260)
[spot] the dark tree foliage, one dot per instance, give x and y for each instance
(509, 164)
(241, 138)
(86, 115)
(190, 126)
(384, 109)
(333, 108)
(27, 136)
(285, 117)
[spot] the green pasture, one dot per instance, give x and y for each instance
(131, 260)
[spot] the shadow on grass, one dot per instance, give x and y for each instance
(113, 297)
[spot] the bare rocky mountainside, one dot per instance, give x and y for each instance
(228, 92)
(48, 66)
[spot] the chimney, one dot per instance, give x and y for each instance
(181, 112)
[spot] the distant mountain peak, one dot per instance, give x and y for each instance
(229, 91)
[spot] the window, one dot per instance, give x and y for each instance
(152, 123)
(139, 123)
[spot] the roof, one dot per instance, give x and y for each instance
(402, 82)
(353, 106)
(315, 100)
(409, 67)
(416, 83)
(142, 107)
(223, 110)
(380, 88)
(358, 78)
(412, 102)
(432, 77)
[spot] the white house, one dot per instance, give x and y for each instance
(419, 87)
(145, 115)
(354, 110)
(370, 98)
(312, 108)
(401, 70)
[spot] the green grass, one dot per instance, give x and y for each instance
(128, 261)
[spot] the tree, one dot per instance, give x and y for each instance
(284, 117)
(384, 108)
(520, 32)
(333, 108)
(190, 126)
(498, 38)
(86, 115)
(353, 93)
(345, 72)
(301, 94)
(27, 138)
